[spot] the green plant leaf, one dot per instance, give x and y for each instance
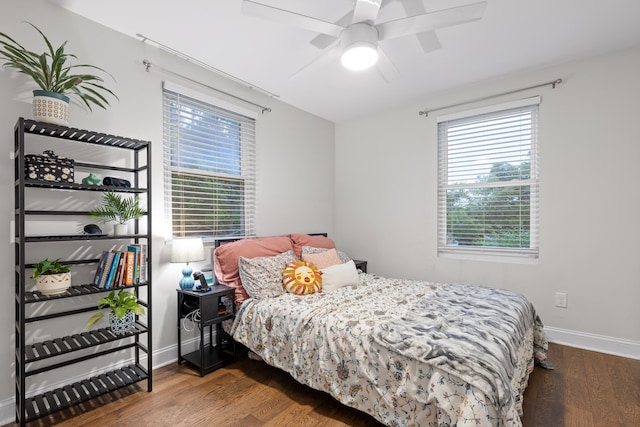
(117, 208)
(95, 318)
(119, 304)
(49, 267)
(51, 70)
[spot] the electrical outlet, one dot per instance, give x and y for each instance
(561, 299)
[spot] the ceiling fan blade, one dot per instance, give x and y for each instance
(366, 11)
(431, 21)
(260, 10)
(324, 58)
(322, 41)
(428, 39)
(385, 67)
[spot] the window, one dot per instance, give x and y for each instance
(209, 162)
(488, 181)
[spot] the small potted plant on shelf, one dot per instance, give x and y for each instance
(52, 277)
(124, 306)
(117, 208)
(51, 71)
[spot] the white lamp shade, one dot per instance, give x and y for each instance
(187, 249)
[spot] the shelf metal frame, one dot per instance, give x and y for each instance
(139, 339)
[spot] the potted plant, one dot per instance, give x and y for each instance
(117, 208)
(51, 277)
(56, 78)
(124, 306)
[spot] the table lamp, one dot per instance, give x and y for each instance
(187, 250)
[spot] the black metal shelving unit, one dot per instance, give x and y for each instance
(67, 350)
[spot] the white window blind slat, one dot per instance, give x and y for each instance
(488, 182)
(209, 163)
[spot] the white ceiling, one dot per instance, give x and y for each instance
(513, 35)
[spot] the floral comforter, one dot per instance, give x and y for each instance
(470, 354)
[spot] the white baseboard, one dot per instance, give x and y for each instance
(600, 343)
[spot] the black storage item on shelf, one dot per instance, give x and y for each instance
(48, 166)
(116, 182)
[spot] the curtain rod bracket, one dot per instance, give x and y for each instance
(147, 64)
(208, 67)
(553, 85)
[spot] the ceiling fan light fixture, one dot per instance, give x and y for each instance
(360, 46)
(359, 56)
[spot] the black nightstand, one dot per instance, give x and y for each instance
(361, 265)
(213, 311)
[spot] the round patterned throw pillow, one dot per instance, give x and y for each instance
(302, 278)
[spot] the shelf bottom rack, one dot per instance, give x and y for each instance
(55, 400)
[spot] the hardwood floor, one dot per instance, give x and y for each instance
(586, 389)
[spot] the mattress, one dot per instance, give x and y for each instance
(409, 353)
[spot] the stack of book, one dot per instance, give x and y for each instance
(117, 269)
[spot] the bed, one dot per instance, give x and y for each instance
(407, 352)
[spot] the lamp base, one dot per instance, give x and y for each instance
(187, 281)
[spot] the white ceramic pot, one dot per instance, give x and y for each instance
(50, 107)
(121, 229)
(53, 284)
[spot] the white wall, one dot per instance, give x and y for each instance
(286, 136)
(386, 187)
(384, 172)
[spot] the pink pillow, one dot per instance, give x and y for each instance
(225, 259)
(322, 259)
(300, 240)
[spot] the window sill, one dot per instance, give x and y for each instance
(501, 257)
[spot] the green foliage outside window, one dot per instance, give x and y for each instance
(208, 203)
(492, 216)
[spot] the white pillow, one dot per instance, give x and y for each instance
(339, 275)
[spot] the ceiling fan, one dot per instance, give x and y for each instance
(356, 36)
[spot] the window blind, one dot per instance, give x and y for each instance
(488, 188)
(209, 163)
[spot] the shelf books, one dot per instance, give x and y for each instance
(112, 270)
(100, 269)
(140, 262)
(121, 268)
(129, 276)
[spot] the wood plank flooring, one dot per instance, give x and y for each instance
(586, 389)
